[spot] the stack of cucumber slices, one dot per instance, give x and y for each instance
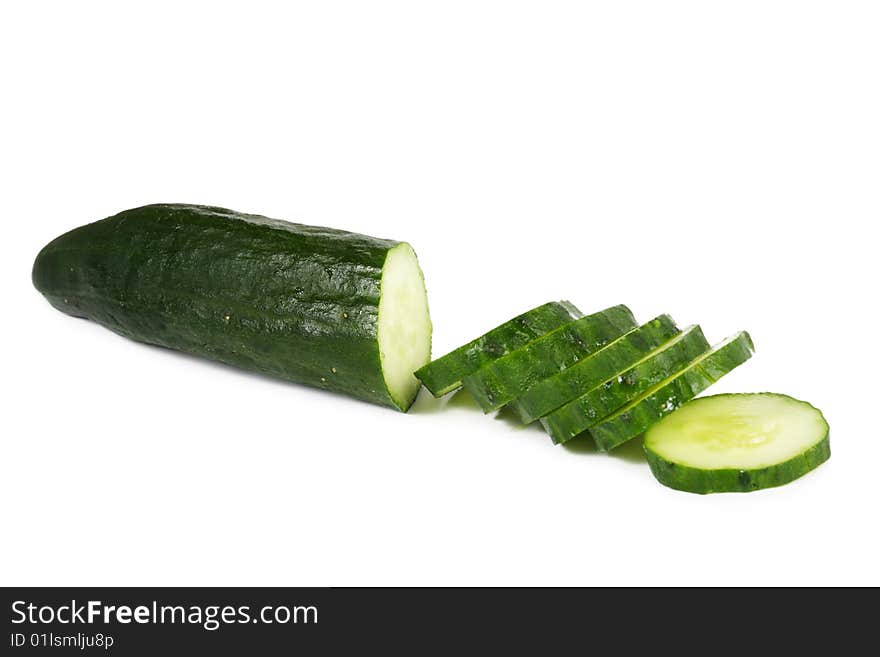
(607, 377)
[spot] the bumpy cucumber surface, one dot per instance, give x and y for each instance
(551, 393)
(667, 396)
(323, 307)
(444, 374)
(501, 381)
(737, 443)
(579, 414)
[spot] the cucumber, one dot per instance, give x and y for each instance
(444, 374)
(554, 391)
(737, 443)
(318, 306)
(579, 414)
(502, 380)
(668, 395)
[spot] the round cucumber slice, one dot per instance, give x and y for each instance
(737, 443)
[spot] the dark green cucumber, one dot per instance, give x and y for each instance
(323, 307)
(737, 443)
(444, 374)
(667, 396)
(554, 391)
(579, 414)
(502, 380)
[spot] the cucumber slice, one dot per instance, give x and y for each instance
(444, 374)
(665, 397)
(737, 443)
(501, 381)
(554, 391)
(620, 388)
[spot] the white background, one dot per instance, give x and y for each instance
(717, 161)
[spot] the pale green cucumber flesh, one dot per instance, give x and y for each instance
(444, 374)
(501, 381)
(667, 396)
(403, 326)
(554, 391)
(737, 443)
(579, 414)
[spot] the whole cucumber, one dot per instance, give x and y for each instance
(318, 306)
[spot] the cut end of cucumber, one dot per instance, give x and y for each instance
(404, 324)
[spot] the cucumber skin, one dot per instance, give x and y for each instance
(695, 480)
(687, 384)
(577, 416)
(554, 391)
(444, 374)
(282, 299)
(500, 382)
